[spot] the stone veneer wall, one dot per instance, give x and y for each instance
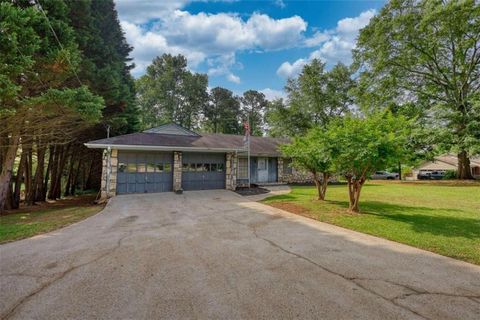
(112, 191)
(177, 171)
(297, 176)
(231, 171)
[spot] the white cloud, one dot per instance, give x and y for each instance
(211, 38)
(233, 78)
(272, 94)
(334, 45)
(140, 11)
(287, 70)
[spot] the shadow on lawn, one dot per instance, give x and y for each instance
(422, 219)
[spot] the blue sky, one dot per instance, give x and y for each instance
(244, 45)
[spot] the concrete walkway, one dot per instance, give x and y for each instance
(215, 254)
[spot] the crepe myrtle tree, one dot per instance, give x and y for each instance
(312, 152)
(363, 145)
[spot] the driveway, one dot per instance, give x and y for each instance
(216, 255)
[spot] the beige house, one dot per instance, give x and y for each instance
(444, 163)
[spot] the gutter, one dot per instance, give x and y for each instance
(157, 148)
(240, 151)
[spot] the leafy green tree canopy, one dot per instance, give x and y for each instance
(169, 92)
(315, 97)
(363, 145)
(312, 153)
(427, 53)
(222, 113)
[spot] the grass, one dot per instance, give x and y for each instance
(28, 222)
(442, 218)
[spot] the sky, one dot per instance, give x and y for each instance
(244, 45)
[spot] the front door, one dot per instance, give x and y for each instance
(262, 170)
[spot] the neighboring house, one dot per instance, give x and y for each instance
(172, 158)
(445, 163)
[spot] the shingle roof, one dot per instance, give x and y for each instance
(258, 145)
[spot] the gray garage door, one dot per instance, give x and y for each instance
(203, 171)
(144, 172)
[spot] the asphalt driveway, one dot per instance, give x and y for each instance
(216, 255)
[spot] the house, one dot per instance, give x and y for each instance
(172, 158)
(445, 163)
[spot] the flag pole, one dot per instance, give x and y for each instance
(248, 150)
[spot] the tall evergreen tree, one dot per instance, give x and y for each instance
(222, 113)
(169, 92)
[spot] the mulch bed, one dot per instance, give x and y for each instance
(245, 191)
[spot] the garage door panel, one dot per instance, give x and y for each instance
(203, 171)
(140, 172)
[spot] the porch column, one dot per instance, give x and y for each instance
(108, 187)
(177, 171)
(279, 169)
(231, 171)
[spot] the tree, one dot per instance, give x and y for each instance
(169, 92)
(363, 145)
(315, 97)
(254, 106)
(222, 113)
(428, 51)
(313, 154)
(45, 106)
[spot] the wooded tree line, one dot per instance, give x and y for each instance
(169, 92)
(415, 59)
(65, 77)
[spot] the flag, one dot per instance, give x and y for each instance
(246, 126)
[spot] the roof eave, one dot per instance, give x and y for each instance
(158, 148)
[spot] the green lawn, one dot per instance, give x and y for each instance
(27, 223)
(437, 217)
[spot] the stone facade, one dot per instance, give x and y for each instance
(231, 171)
(280, 172)
(109, 174)
(295, 176)
(177, 171)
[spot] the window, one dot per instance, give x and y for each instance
(184, 167)
(122, 167)
(168, 167)
(150, 167)
(141, 167)
(220, 167)
(159, 167)
(213, 167)
(199, 167)
(243, 168)
(206, 167)
(131, 168)
(192, 167)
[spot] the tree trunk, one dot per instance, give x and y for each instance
(6, 172)
(53, 172)
(18, 180)
(318, 184)
(75, 178)
(70, 174)
(321, 184)
(38, 193)
(354, 190)
(464, 171)
(28, 176)
(51, 152)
